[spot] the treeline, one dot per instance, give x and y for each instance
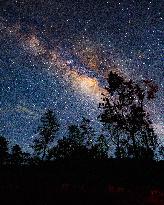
(14, 157)
(80, 143)
(127, 124)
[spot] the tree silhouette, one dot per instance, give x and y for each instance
(62, 150)
(16, 155)
(124, 115)
(74, 135)
(67, 146)
(100, 149)
(47, 131)
(27, 159)
(74, 146)
(87, 132)
(4, 155)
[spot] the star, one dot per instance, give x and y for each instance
(58, 55)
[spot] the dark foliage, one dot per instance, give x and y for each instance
(127, 120)
(4, 155)
(16, 155)
(87, 133)
(46, 133)
(79, 162)
(124, 115)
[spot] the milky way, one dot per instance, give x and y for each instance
(57, 54)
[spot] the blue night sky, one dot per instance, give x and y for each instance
(56, 54)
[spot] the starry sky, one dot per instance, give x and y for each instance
(57, 54)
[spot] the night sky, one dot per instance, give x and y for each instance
(56, 54)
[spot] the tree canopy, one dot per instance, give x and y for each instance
(126, 118)
(46, 133)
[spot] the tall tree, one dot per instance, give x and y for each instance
(71, 146)
(124, 114)
(46, 133)
(63, 150)
(74, 135)
(3, 151)
(87, 132)
(100, 149)
(16, 155)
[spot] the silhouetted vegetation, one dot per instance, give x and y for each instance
(47, 130)
(127, 120)
(80, 160)
(16, 155)
(4, 155)
(124, 115)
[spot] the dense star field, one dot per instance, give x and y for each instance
(57, 54)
